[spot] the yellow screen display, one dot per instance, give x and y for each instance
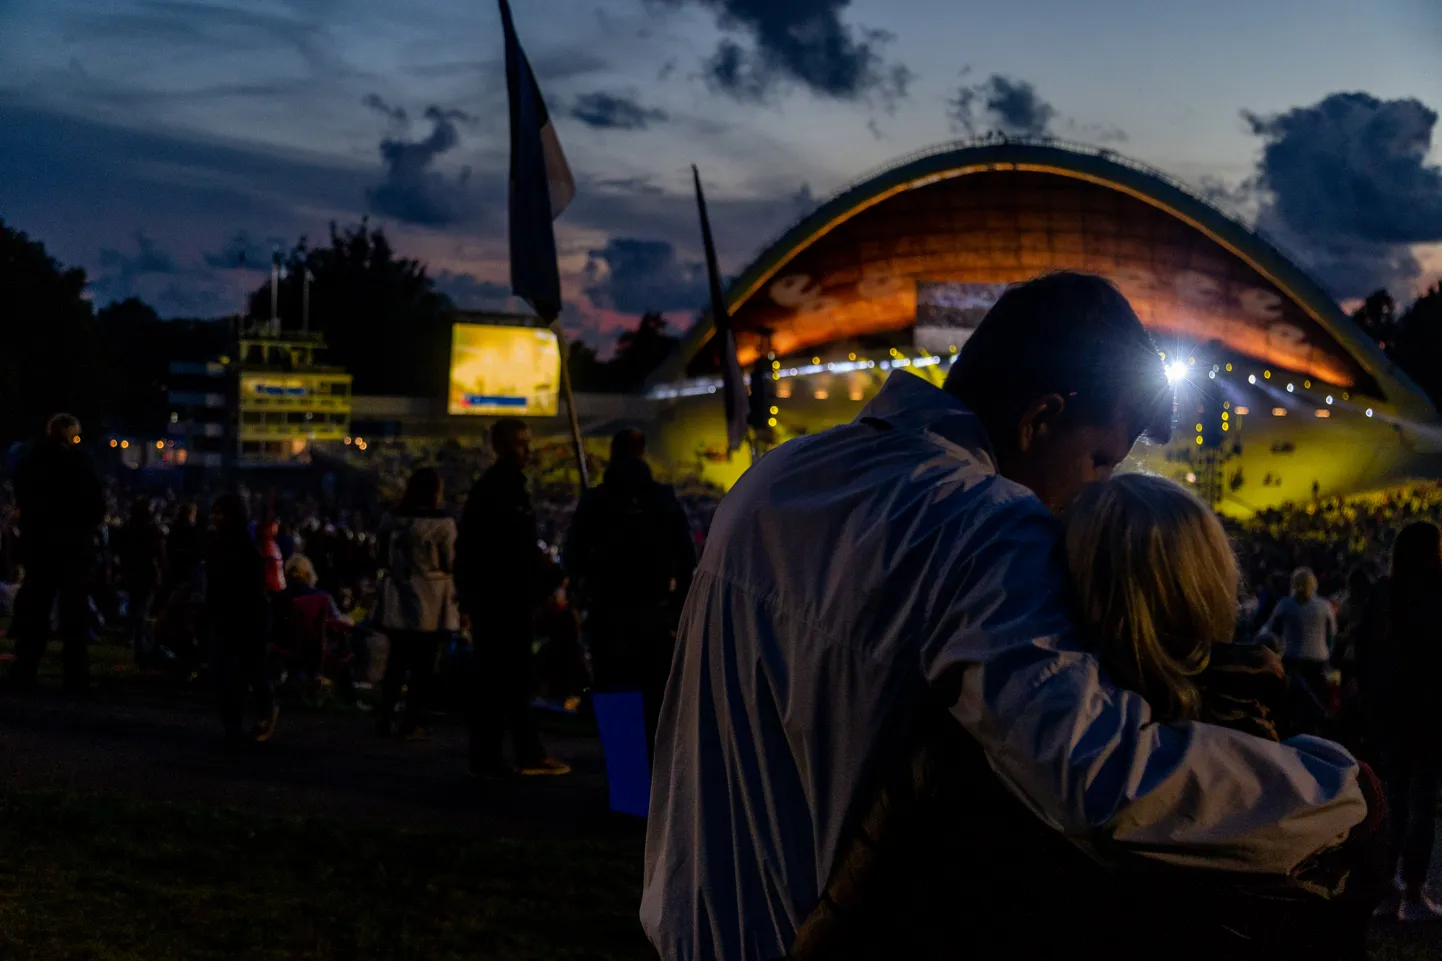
(498, 371)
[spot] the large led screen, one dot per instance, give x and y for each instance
(500, 371)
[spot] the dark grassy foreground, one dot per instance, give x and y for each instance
(108, 879)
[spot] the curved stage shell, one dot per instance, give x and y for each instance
(925, 244)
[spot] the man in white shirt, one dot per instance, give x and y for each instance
(852, 574)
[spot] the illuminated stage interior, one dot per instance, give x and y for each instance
(894, 271)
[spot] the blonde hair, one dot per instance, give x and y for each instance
(1304, 584)
(1156, 584)
(299, 568)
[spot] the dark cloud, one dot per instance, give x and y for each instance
(800, 41)
(1345, 185)
(154, 275)
(634, 276)
(1002, 105)
(396, 115)
(471, 293)
(242, 250)
(609, 111)
(415, 193)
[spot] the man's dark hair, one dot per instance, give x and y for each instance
(505, 431)
(60, 425)
(422, 491)
(628, 444)
(1070, 334)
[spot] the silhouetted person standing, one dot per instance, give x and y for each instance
(61, 506)
(630, 550)
(502, 576)
(239, 614)
(141, 551)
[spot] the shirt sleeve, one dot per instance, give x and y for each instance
(1087, 757)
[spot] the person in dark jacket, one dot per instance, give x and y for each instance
(141, 553)
(501, 578)
(61, 507)
(630, 550)
(183, 552)
(1400, 668)
(237, 608)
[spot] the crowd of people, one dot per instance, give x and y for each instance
(437, 600)
(946, 695)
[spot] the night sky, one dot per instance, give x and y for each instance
(153, 142)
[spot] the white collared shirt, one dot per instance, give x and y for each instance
(846, 573)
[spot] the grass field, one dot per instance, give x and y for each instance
(114, 880)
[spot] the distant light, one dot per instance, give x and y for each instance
(1290, 388)
(1226, 426)
(1225, 416)
(776, 365)
(1199, 428)
(1162, 354)
(776, 375)
(1369, 412)
(75, 439)
(1226, 405)
(816, 360)
(771, 422)
(1346, 395)
(1267, 374)
(1229, 368)
(1176, 372)
(1251, 378)
(1323, 412)
(1307, 384)
(114, 442)
(771, 355)
(160, 445)
(1279, 412)
(1191, 478)
(361, 441)
(1199, 442)
(1243, 411)
(776, 410)
(1192, 361)
(1211, 375)
(821, 395)
(347, 440)
(850, 356)
(124, 445)
(1329, 398)
(952, 348)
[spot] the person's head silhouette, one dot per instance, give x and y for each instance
(1065, 379)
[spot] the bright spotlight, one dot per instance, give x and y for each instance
(1251, 378)
(1176, 372)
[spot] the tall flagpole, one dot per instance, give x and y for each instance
(541, 185)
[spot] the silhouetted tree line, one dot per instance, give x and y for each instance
(381, 315)
(1412, 338)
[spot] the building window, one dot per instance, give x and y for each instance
(250, 417)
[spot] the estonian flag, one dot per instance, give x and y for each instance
(733, 386)
(541, 183)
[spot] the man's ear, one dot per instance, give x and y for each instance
(1038, 421)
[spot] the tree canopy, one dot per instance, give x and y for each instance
(382, 317)
(47, 340)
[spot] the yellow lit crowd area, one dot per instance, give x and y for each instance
(504, 371)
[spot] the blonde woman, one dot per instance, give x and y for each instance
(1156, 587)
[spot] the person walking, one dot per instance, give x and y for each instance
(854, 578)
(418, 608)
(1401, 671)
(503, 576)
(62, 506)
(238, 609)
(141, 554)
(630, 550)
(1303, 627)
